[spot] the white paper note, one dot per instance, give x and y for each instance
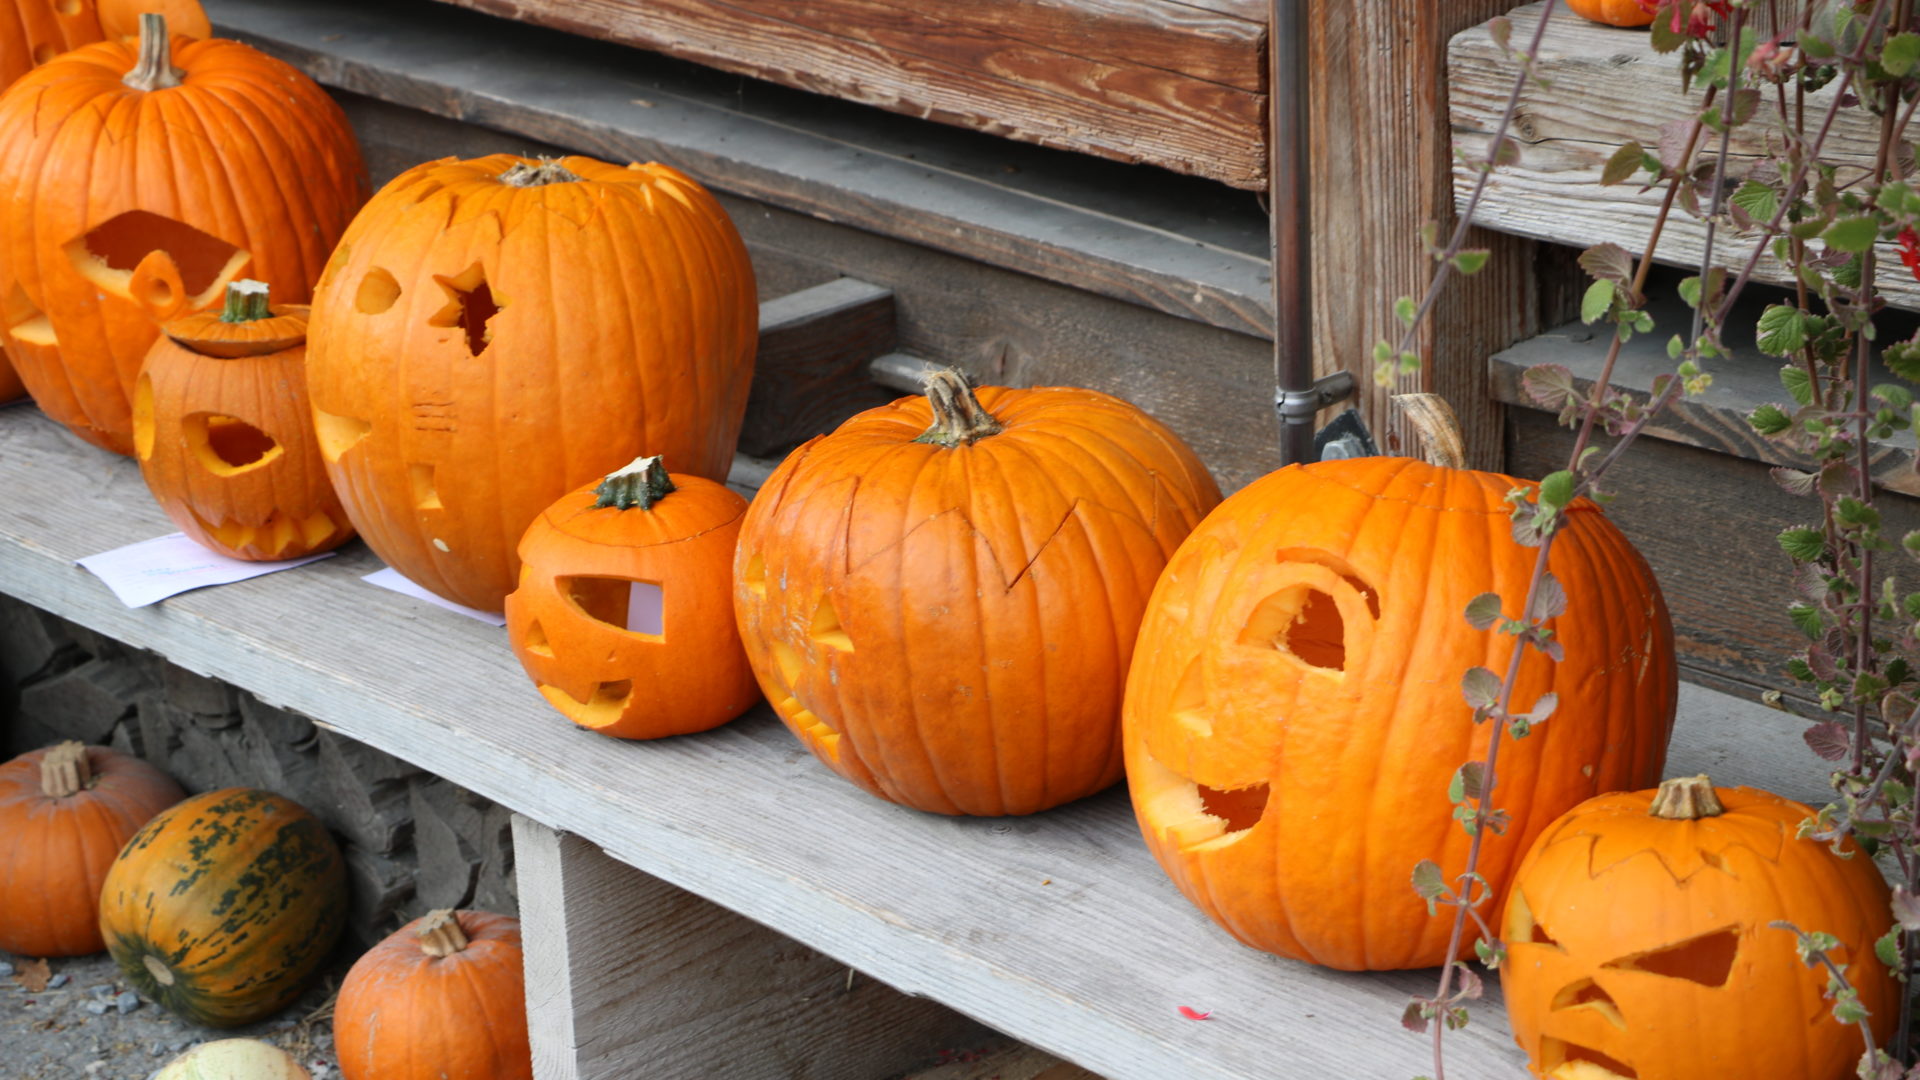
(643, 609)
(152, 570)
(391, 579)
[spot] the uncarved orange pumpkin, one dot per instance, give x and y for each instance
(224, 436)
(1613, 12)
(1639, 940)
(135, 183)
(494, 333)
(442, 997)
(1294, 712)
(940, 598)
(624, 614)
(64, 813)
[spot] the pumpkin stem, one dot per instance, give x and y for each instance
(1437, 428)
(1686, 798)
(642, 483)
(958, 417)
(440, 934)
(547, 170)
(64, 770)
(247, 301)
(154, 69)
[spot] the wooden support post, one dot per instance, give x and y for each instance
(811, 371)
(630, 976)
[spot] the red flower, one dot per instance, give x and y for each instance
(1910, 251)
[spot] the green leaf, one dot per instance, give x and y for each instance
(1851, 511)
(1597, 302)
(1556, 490)
(1803, 545)
(1623, 164)
(1895, 397)
(1466, 782)
(1428, 882)
(1483, 611)
(1854, 234)
(1471, 261)
(1781, 331)
(1404, 309)
(1690, 291)
(1798, 383)
(1769, 420)
(1900, 53)
(1608, 262)
(1481, 687)
(1807, 618)
(1757, 200)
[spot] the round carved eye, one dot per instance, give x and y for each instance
(1302, 618)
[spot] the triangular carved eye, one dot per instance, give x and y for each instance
(1707, 959)
(1522, 926)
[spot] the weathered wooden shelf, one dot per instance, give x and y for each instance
(1609, 88)
(1057, 929)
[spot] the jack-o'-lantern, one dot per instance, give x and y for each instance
(224, 436)
(1640, 940)
(624, 614)
(33, 32)
(135, 184)
(1294, 713)
(494, 333)
(940, 598)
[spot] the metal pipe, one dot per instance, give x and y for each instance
(1289, 191)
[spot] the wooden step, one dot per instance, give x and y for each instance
(1609, 88)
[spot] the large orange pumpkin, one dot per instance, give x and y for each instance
(33, 32)
(64, 813)
(224, 436)
(494, 333)
(442, 997)
(940, 598)
(1294, 714)
(134, 185)
(624, 614)
(1639, 940)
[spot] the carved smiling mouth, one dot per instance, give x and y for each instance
(276, 535)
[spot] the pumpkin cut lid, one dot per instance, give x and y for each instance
(247, 324)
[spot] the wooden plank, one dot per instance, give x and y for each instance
(629, 976)
(1611, 88)
(1012, 1062)
(811, 371)
(1018, 923)
(1381, 170)
(1176, 245)
(1006, 67)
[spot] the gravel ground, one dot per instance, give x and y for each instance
(87, 1025)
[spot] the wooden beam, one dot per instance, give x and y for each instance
(629, 976)
(811, 371)
(1382, 169)
(1148, 81)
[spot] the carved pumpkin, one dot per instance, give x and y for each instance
(33, 32)
(222, 908)
(224, 436)
(1294, 713)
(134, 185)
(64, 813)
(940, 598)
(442, 997)
(494, 333)
(624, 614)
(1639, 945)
(1614, 12)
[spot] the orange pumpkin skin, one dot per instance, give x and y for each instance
(404, 1012)
(33, 32)
(949, 626)
(1612, 12)
(567, 620)
(1294, 713)
(1645, 942)
(99, 245)
(467, 369)
(58, 849)
(225, 439)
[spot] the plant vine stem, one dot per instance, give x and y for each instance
(1459, 238)
(1463, 907)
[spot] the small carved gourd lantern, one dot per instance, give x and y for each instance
(624, 614)
(224, 436)
(1640, 940)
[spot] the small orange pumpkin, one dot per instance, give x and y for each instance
(494, 333)
(624, 614)
(1614, 12)
(442, 997)
(135, 183)
(940, 598)
(1639, 941)
(224, 436)
(64, 813)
